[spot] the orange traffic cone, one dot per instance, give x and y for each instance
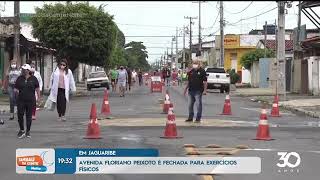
(170, 131)
(263, 132)
(167, 103)
(93, 131)
(105, 108)
(275, 107)
(227, 106)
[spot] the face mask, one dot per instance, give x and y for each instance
(195, 66)
(13, 65)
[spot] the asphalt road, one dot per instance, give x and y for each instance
(291, 133)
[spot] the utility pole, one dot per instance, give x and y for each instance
(184, 51)
(199, 28)
(265, 39)
(281, 45)
(221, 35)
(190, 33)
(177, 56)
(299, 27)
(17, 32)
(172, 51)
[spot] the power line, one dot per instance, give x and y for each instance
(215, 21)
(146, 25)
(253, 16)
(241, 10)
(159, 36)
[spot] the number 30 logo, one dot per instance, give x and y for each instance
(285, 159)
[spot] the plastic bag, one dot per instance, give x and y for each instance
(49, 105)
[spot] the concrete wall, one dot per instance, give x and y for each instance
(314, 75)
(255, 74)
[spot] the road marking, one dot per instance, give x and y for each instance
(269, 111)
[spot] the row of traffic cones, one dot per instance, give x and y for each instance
(93, 131)
(274, 112)
(170, 131)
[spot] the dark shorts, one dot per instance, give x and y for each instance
(113, 80)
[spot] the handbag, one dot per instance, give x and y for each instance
(49, 105)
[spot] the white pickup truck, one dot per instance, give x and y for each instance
(217, 78)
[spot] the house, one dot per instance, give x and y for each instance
(207, 52)
(310, 65)
(31, 50)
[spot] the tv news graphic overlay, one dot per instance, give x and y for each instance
(35, 161)
(127, 161)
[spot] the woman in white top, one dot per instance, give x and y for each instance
(62, 82)
(39, 78)
(12, 75)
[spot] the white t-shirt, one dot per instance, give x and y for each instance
(134, 74)
(122, 76)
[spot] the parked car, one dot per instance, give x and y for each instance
(217, 78)
(97, 79)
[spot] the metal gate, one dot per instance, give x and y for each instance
(304, 76)
(288, 73)
(264, 64)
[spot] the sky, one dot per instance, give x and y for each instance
(162, 18)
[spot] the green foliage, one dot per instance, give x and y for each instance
(79, 32)
(234, 77)
(248, 58)
(136, 55)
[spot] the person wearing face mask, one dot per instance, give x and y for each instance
(38, 76)
(12, 75)
(62, 82)
(25, 87)
(196, 87)
(122, 80)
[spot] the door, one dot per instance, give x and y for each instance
(234, 62)
(288, 74)
(264, 65)
(304, 76)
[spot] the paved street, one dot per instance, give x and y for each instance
(138, 123)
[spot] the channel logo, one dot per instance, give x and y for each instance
(35, 161)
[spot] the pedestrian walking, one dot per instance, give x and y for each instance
(179, 77)
(196, 87)
(122, 80)
(38, 76)
(134, 76)
(12, 75)
(140, 77)
(62, 82)
(166, 74)
(114, 75)
(25, 87)
(129, 81)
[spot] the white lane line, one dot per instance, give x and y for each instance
(269, 111)
(279, 150)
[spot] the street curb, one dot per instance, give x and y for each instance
(295, 109)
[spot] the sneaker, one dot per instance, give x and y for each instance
(28, 135)
(11, 117)
(188, 120)
(59, 119)
(21, 134)
(33, 117)
(63, 118)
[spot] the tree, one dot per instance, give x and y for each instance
(79, 32)
(248, 58)
(136, 55)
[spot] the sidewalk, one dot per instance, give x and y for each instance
(297, 103)
(302, 104)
